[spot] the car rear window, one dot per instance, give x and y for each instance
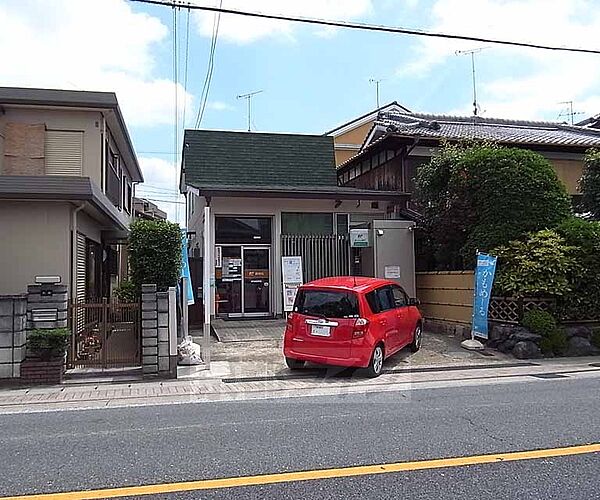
(330, 304)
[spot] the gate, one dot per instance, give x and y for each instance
(104, 334)
(322, 255)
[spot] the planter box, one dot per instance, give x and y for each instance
(37, 371)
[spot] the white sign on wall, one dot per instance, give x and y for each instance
(292, 278)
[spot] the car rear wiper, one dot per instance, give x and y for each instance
(319, 315)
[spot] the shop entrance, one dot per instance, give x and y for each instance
(243, 267)
(243, 281)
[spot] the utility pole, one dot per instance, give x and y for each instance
(472, 53)
(249, 97)
(570, 113)
(376, 82)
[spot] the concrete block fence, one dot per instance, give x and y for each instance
(156, 358)
(13, 317)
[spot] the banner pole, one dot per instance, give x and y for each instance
(473, 344)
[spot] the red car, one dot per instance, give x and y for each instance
(351, 321)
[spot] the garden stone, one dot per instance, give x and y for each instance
(526, 350)
(507, 345)
(523, 334)
(500, 331)
(578, 346)
(579, 331)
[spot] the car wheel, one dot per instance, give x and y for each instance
(294, 364)
(376, 365)
(417, 339)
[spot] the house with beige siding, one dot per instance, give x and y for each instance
(68, 171)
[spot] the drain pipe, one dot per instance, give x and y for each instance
(74, 213)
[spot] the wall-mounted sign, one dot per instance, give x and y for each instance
(392, 272)
(218, 256)
(359, 238)
(292, 278)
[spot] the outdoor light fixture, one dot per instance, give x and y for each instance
(47, 280)
(380, 232)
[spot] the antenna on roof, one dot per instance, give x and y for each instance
(376, 82)
(570, 111)
(249, 97)
(472, 53)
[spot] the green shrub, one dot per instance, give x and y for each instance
(154, 253)
(481, 196)
(538, 265)
(126, 292)
(555, 343)
(584, 237)
(49, 343)
(539, 322)
(590, 183)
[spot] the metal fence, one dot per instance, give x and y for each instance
(322, 255)
(104, 334)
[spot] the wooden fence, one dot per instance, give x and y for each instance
(446, 295)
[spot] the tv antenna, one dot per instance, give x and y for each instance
(376, 82)
(249, 97)
(570, 111)
(472, 53)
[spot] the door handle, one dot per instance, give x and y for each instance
(383, 322)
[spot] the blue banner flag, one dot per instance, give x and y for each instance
(185, 267)
(484, 279)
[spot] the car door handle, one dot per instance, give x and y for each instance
(383, 322)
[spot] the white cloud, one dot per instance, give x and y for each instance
(89, 45)
(243, 29)
(161, 182)
(534, 81)
(219, 106)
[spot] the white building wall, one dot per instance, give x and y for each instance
(269, 207)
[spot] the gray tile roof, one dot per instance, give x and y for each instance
(212, 157)
(498, 130)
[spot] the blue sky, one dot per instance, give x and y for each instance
(312, 78)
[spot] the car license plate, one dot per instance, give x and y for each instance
(320, 330)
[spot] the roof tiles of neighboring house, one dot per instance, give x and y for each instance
(223, 158)
(457, 128)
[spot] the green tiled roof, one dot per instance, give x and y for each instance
(213, 157)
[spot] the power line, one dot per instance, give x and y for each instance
(367, 27)
(166, 201)
(185, 71)
(210, 67)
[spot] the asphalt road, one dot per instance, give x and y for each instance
(88, 449)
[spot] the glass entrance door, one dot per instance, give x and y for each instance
(243, 280)
(256, 281)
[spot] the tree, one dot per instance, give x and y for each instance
(155, 253)
(590, 183)
(480, 196)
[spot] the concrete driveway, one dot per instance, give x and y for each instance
(264, 358)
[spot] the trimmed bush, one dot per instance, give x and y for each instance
(49, 343)
(478, 197)
(539, 322)
(590, 183)
(155, 253)
(541, 264)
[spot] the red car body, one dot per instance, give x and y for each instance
(340, 320)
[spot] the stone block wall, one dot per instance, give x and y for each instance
(13, 310)
(156, 360)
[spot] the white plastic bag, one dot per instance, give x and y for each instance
(189, 353)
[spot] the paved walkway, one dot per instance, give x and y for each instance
(247, 330)
(185, 391)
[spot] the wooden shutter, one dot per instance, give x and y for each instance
(64, 152)
(81, 266)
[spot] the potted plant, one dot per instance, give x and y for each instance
(45, 361)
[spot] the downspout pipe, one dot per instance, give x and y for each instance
(76, 209)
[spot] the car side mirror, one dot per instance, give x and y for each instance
(414, 302)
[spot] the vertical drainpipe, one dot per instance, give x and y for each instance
(74, 213)
(103, 155)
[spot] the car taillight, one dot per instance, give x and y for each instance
(290, 322)
(360, 327)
